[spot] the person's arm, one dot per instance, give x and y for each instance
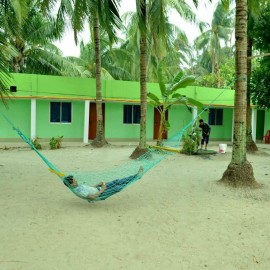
(99, 184)
(94, 196)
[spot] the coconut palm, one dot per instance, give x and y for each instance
(151, 18)
(6, 51)
(32, 41)
(175, 51)
(240, 171)
(255, 8)
(210, 40)
(111, 60)
(104, 14)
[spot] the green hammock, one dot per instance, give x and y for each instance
(122, 176)
(117, 178)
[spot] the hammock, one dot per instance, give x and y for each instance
(122, 176)
(117, 179)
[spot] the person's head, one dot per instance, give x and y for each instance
(69, 180)
(201, 122)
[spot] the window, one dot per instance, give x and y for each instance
(215, 117)
(60, 112)
(132, 114)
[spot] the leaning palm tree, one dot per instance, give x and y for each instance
(240, 171)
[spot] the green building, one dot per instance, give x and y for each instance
(50, 106)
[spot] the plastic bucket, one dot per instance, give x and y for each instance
(222, 148)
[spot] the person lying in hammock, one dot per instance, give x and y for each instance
(101, 189)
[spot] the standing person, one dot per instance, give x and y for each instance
(205, 133)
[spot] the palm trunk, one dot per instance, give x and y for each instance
(251, 145)
(142, 148)
(99, 140)
(240, 171)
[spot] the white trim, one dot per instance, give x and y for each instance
(253, 123)
(33, 118)
(86, 121)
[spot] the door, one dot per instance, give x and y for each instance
(93, 120)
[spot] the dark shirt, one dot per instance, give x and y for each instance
(205, 129)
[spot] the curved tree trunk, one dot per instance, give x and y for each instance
(251, 145)
(142, 148)
(240, 171)
(99, 140)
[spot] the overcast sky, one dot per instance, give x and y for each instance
(204, 13)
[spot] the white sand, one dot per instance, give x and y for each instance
(175, 217)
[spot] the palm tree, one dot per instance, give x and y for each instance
(210, 40)
(32, 40)
(151, 21)
(6, 51)
(255, 8)
(104, 14)
(240, 171)
(111, 60)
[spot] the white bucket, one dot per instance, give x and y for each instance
(222, 148)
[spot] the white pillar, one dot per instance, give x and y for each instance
(33, 118)
(194, 112)
(86, 121)
(253, 123)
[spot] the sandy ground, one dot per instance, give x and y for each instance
(175, 217)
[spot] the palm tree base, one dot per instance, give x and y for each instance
(138, 152)
(98, 142)
(239, 175)
(251, 146)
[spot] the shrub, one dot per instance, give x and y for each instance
(36, 143)
(56, 143)
(191, 142)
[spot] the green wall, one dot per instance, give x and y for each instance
(115, 94)
(73, 130)
(115, 128)
(18, 112)
(221, 132)
(179, 117)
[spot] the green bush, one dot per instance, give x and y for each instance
(36, 143)
(56, 142)
(191, 142)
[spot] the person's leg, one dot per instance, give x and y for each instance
(202, 142)
(206, 142)
(118, 184)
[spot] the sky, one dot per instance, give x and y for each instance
(204, 13)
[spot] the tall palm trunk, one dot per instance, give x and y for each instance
(99, 140)
(141, 149)
(240, 171)
(251, 145)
